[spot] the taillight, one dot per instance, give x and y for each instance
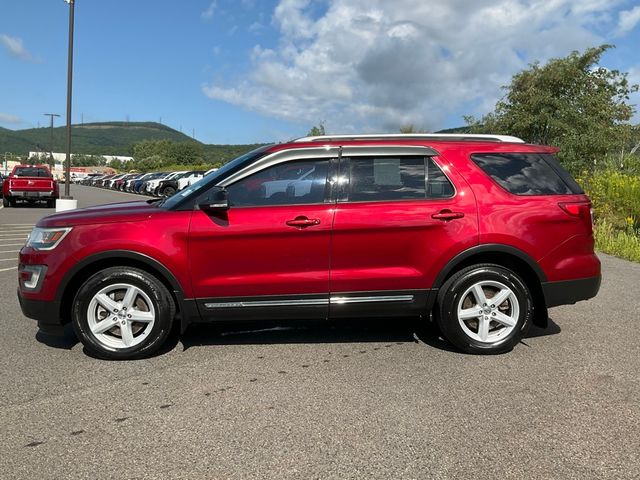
(578, 209)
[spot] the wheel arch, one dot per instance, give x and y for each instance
(118, 258)
(506, 256)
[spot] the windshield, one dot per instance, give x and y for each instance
(214, 177)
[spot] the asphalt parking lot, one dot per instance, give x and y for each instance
(362, 399)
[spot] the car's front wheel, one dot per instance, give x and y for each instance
(122, 313)
(484, 309)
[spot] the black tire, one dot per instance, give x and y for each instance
(168, 191)
(150, 338)
(51, 203)
(5, 202)
(498, 337)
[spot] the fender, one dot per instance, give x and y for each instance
(488, 248)
(187, 307)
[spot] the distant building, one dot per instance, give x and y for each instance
(61, 157)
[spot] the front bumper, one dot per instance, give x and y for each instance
(45, 312)
(570, 291)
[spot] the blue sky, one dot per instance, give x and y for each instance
(249, 71)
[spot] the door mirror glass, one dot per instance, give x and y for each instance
(217, 200)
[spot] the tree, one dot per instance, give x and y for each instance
(411, 128)
(317, 130)
(571, 103)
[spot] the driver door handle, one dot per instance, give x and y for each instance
(303, 222)
(447, 214)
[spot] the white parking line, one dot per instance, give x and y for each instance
(12, 245)
(7, 269)
(8, 259)
(9, 251)
(15, 237)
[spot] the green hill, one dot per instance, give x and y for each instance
(108, 138)
(12, 142)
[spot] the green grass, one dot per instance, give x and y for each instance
(621, 243)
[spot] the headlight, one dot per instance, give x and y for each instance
(46, 238)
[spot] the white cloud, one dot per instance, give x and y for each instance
(15, 47)
(208, 13)
(374, 65)
(628, 19)
(255, 27)
(7, 118)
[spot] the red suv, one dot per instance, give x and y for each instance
(482, 233)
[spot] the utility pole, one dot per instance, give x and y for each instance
(67, 166)
(51, 115)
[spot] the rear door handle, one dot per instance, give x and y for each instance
(303, 222)
(446, 215)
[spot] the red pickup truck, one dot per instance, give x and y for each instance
(30, 183)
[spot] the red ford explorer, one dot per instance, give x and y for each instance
(482, 233)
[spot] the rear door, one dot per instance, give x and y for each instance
(268, 255)
(400, 213)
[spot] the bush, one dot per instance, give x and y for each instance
(621, 243)
(615, 196)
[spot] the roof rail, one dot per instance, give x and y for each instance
(450, 137)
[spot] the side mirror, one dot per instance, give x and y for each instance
(216, 201)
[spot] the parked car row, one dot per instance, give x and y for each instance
(158, 184)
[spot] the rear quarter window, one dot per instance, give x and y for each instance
(527, 173)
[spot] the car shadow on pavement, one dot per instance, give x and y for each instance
(32, 205)
(408, 330)
(552, 328)
(66, 341)
(369, 330)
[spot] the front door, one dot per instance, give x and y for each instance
(268, 255)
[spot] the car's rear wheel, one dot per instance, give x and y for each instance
(484, 309)
(122, 313)
(168, 191)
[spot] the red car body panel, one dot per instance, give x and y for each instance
(132, 226)
(536, 224)
(252, 251)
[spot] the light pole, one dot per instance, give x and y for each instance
(51, 115)
(67, 164)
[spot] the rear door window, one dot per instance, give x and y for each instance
(377, 179)
(527, 173)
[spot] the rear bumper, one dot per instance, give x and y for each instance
(570, 291)
(45, 312)
(32, 195)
